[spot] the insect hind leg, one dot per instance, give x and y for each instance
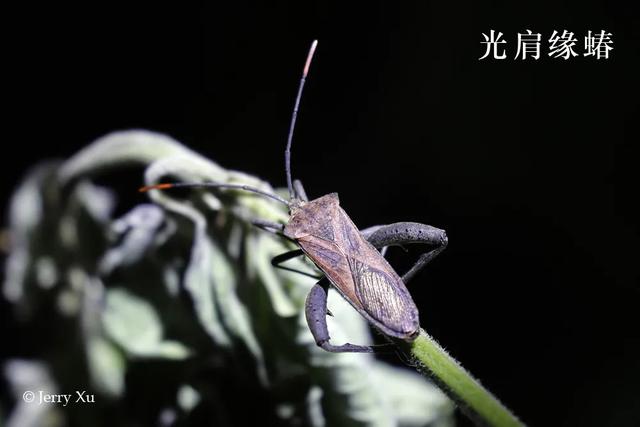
(402, 233)
(367, 232)
(316, 312)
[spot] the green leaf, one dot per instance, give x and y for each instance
(134, 325)
(198, 254)
(106, 366)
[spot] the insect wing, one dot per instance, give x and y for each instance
(377, 286)
(384, 297)
(333, 263)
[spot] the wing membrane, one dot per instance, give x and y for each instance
(383, 299)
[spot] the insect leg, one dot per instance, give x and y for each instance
(272, 227)
(401, 233)
(276, 228)
(299, 190)
(367, 232)
(276, 261)
(316, 312)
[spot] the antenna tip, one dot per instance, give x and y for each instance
(309, 57)
(154, 187)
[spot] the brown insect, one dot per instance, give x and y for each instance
(349, 258)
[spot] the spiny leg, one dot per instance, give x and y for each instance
(401, 233)
(367, 232)
(315, 311)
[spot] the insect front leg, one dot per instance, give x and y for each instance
(401, 233)
(316, 312)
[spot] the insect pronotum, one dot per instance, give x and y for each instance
(349, 258)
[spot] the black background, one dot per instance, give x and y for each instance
(530, 166)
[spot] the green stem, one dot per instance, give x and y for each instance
(474, 400)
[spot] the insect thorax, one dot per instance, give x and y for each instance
(313, 218)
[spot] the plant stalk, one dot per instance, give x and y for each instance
(473, 399)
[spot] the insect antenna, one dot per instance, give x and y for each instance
(287, 155)
(164, 186)
(287, 152)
